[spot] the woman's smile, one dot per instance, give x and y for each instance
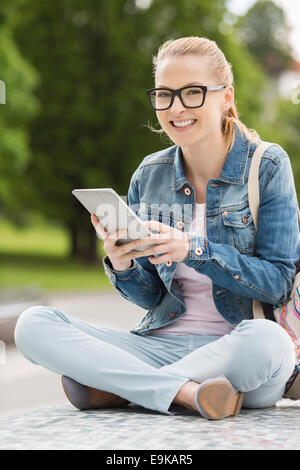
(183, 125)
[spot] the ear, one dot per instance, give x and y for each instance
(228, 98)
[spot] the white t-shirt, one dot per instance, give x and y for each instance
(201, 316)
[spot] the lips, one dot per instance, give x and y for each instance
(180, 125)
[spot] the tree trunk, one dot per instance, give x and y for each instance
(83, 241)
(73, 239)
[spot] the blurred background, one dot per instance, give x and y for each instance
(75, 116)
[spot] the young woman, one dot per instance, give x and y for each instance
(198, 346)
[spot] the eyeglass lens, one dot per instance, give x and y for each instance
(191, 97)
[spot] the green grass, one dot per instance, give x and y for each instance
(38, 256)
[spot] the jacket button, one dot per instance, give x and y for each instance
(198, 251)
(236, 276)
(180, 224)
(168, 263)
(187, 191)
(225, 213)
(172, 315)
(245, 220)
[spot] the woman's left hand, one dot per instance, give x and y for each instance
(174, 244)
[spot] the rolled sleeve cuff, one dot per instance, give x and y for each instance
(116, 276)
(199, 251)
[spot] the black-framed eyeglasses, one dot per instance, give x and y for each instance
(190, 96)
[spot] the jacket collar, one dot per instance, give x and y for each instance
(234, 168)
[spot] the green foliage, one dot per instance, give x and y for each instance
(264, 30)
(284, 130)
(95, 61)
(21, 105)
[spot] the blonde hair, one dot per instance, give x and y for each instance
(222, 69)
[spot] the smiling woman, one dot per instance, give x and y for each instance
(211, 67)
(198, 345)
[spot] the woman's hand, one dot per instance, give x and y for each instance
(120, 255)
(172, 243)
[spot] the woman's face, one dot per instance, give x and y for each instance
(177, 72)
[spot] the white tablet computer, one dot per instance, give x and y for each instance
(113, 214)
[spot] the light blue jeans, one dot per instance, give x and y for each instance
(257, 357)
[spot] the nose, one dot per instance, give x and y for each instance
(177, 106)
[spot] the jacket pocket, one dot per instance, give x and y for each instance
(240, 229)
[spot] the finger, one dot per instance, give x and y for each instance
(157, 250)
(140, 242)
(117, 235)
(98, 227)
(160, 236)
(160, 259)
(152, 239)
(139, 254)
(155, 225)
(94, 220)
(101, 231)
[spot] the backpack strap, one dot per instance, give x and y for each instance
(254, 202)
(253, 180)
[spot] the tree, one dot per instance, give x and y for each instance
(264, 30)
(284, 130)
(95, 61)
(21, 105)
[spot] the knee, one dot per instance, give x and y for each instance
(29, 325)
(265, 340)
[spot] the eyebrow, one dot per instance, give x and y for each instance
(188, 84)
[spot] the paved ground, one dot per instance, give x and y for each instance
(34, 413)
(24, 386)
(63, 427)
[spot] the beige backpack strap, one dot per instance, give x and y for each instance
(254, 202)
(253, 180)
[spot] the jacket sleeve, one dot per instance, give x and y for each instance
(267, 276)
(140, 283)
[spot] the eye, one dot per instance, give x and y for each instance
(163, 94)
(194, 92)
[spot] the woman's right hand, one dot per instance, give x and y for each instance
(119, 255)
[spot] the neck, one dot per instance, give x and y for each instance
(206, 159)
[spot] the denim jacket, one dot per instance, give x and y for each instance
(242, 263)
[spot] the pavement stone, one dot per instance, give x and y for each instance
(65, 428)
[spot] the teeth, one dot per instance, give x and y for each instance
(184, 123)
